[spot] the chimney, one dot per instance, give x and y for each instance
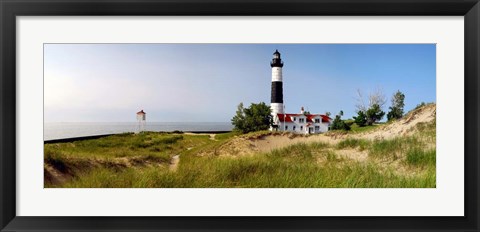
(302, 110)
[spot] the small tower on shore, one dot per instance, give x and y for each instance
(276, 103)
(141, 119)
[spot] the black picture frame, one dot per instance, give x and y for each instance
(9, 9)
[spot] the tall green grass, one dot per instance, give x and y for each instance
(292, 167)
(359, 129)
(80, 157)
(255, 173)
(393, 148)
(312, 165)
(419, 157)
(225, 136)
(361, 144)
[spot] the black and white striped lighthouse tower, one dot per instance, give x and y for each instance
(276, 104)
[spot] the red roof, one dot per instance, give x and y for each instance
(325, 118)
(281, 117)
(141, 112)
(310, 117)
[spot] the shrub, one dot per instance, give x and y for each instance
(361, 119)
(396, 110)
(339, 124)
(257, 117)
(374, 114)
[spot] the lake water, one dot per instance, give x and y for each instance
(62, 130)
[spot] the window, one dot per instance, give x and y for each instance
(301, 120)
(301, 127)
(286, 127)
(317, 128)
(293, 127)
(294, 119)
(317, 120)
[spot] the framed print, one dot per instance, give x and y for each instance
(277, 115)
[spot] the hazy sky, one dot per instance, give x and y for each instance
(206, 82)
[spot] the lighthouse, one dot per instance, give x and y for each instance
(276, 103)
(301, 123)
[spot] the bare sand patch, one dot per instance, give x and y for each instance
(174, 163)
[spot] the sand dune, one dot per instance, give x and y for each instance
(246, 146)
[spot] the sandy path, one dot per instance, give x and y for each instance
(174, 163)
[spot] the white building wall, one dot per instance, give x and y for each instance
(324, 126)
(289, 126)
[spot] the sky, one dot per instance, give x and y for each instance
(206, 82)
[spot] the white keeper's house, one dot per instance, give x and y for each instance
(299, 123)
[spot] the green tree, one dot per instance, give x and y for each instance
(254, 118)
(238, 121)
(374, 114)
(338, 123)
(361, 119)
(396, 110)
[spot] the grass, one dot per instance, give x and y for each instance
(149, 143)
(359, 129)
(225, 136)
(283, 168)
(392, 148)
(361, 144)
(401, 162)
(117, 152)
(384, 149)
(56, 159)
(418, 157)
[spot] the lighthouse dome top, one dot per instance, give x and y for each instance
(276, 54)
(276, 61)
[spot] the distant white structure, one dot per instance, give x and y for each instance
(298, 123)
(141, 118)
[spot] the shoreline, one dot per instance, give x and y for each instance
(81, 138)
